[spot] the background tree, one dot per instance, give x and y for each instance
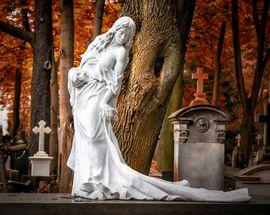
(66, 62)
(99, 8)
(218, 64)
(41, 41)
(18, 76)
(40, 84)
(15, 74)
(249, 102)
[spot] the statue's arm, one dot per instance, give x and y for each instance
(106, 110)
(120, 65)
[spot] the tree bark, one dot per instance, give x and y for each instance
(154, 67)
(66, 62)
(218, 64)
(16, 104)
(249, 102)
(53, 149)
(164, 153)
(99, 8)
(40, 85)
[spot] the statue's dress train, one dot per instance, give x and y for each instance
(99, 169)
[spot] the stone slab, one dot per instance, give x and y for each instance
(52, 204)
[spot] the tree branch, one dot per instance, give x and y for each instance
(237, 54)
(16, 32)
(256, 19)
(218, 63)
(264, 16)
(261, 59)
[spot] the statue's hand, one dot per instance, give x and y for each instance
(79, 79)
(107, 112)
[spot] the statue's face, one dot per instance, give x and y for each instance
(122, 35)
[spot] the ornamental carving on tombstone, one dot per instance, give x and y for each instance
(221, 134)
(183, 136)
(202, 125)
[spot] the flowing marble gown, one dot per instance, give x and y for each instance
(99, 169)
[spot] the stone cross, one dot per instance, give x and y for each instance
(41, 130)
(238, 137)
(258, 138)
(200, 96)
(234, 156)
(200, 76)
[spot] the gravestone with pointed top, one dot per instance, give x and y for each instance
(40, 162)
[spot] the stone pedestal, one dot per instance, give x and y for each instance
(40, 164)
(255, 178)
(199, 132)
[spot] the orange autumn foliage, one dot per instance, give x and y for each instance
(12, 58)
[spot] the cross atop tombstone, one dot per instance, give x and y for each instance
(238, 137)
(200, 96)
(41, 130)
(258, 138)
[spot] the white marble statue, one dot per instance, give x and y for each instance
(99, 169)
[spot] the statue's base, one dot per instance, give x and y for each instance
(32, 204)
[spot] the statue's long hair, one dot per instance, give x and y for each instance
(103, 41)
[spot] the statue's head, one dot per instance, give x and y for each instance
(123, 26)
(123, 31)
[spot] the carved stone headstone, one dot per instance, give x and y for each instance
(40, 162)
(199, 132)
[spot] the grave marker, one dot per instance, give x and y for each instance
(200, 96)
(40, 162)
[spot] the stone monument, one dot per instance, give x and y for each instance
(199, 132)
(40, 162)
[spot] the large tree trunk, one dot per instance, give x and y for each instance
(40, 86)
(66, 62)
(247, 132)
(150, 77)
(53, 151)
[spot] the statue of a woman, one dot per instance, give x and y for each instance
(99, 169)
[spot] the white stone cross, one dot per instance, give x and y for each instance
(41, 130)
(200, 76)
(258, 138)
(238, 137)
